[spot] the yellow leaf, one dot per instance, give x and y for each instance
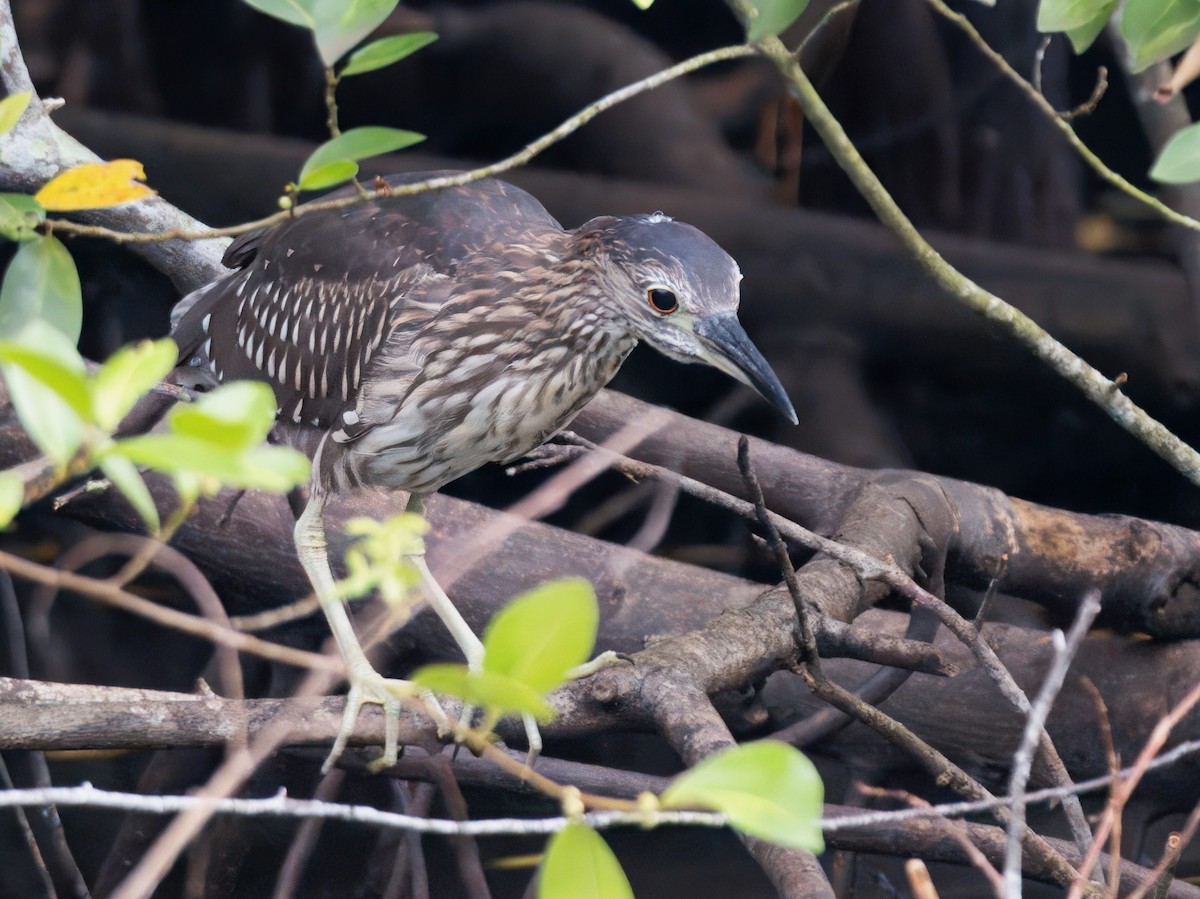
(95, 185)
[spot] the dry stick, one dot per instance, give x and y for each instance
(466, 849)
(1093, 384)
(1061, 120)
(936, 763)
(1064, 654)
(283, 806)
(876, 690)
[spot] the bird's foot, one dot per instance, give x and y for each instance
(370, 687)
(604, 660)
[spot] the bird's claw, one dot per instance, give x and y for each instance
(604, 660)
(371, 687)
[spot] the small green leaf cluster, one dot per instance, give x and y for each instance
(767, 790)
(70, 415)
(378, 558)
(218, 442)
(337, 26)
(529, 648)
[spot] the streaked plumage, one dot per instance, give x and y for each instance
(424, 336)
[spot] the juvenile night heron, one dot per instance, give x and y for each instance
(409, 340)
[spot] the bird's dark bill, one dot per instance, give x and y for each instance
(726, 336)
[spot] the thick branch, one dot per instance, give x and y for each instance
(1146, 571)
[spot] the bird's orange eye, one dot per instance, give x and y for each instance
(662, 301)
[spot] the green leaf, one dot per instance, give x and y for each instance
(1156, 29)
(337, 25)
(1179, 161)
(385, 51)
(770, 17)
(343, 23)
(50, 359)
(20, 214)
(1063, 15)
(1081, 20)
(484, 688)
(381, 557)
(768, 789)
(128, 374)
(1085, 35)
(295, 12)
(276, 469)
(542, 634)
(359, 143)
(41, 283)
(329, 175)
(12, 108)
(55, 427)
(12, 496)
(126, 478)
(235, 416)
(579, 865)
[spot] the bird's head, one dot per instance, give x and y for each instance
(677, 290)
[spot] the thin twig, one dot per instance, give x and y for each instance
(516, 160)
(1123, 788)
(282, 806)
(961, 833)
(1092, 383)
(189, 624)
(1088, 106)
(1032, 735)
(1094, 162)
(931, 759)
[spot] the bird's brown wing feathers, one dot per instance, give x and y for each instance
(317, 297)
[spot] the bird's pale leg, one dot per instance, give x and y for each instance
(366, 684)
(468, 642)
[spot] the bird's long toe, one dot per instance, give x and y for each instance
(369, 687)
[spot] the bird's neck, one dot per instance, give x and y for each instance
(576, 307)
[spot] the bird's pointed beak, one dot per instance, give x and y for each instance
(734, 354)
